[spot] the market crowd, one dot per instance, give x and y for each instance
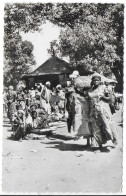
(87, 108)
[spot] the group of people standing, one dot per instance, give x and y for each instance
(88, 111)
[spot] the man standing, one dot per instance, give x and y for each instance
(69, 105)
(74, 76)
(45, 97)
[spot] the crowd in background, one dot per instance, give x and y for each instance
(88, 112)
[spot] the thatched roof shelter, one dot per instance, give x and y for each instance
(53, 65)
(54, 70)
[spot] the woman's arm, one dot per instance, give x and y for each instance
(81, 93)
(104, 98)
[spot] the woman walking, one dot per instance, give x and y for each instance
(101, 124)
(81, 121)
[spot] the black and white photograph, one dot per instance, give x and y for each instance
(63, 98)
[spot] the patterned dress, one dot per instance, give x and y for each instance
(11, 103)
(61, 102)
(21, 100)
(18, 128)
(101, 124)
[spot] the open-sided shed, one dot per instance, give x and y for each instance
(54, 70)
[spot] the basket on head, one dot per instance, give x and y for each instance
(82, 82)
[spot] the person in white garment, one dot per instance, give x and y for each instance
(74, 76)
(45, 97)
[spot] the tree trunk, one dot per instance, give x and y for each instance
(119, 77)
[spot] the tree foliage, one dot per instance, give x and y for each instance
(92, 34)
(95, 39)
(90, 44)
(18, 56)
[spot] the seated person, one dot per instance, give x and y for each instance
(18, 126)
(31, 108)
(55, 115)
(35, 123)
(40, 111)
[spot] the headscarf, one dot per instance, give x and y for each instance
(96, 78)
(10, 87)
(75, 74)
(47, 83)
(33, 104)
(58, 86)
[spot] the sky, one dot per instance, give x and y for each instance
(41, 41)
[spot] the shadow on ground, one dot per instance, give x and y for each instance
(61, 137)
(7, 125)
(60, 145)
(10, 130)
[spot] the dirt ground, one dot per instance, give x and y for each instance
(60, 165)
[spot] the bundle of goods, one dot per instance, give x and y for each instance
(82, 82)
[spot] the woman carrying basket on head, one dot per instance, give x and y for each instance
(101, 124)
